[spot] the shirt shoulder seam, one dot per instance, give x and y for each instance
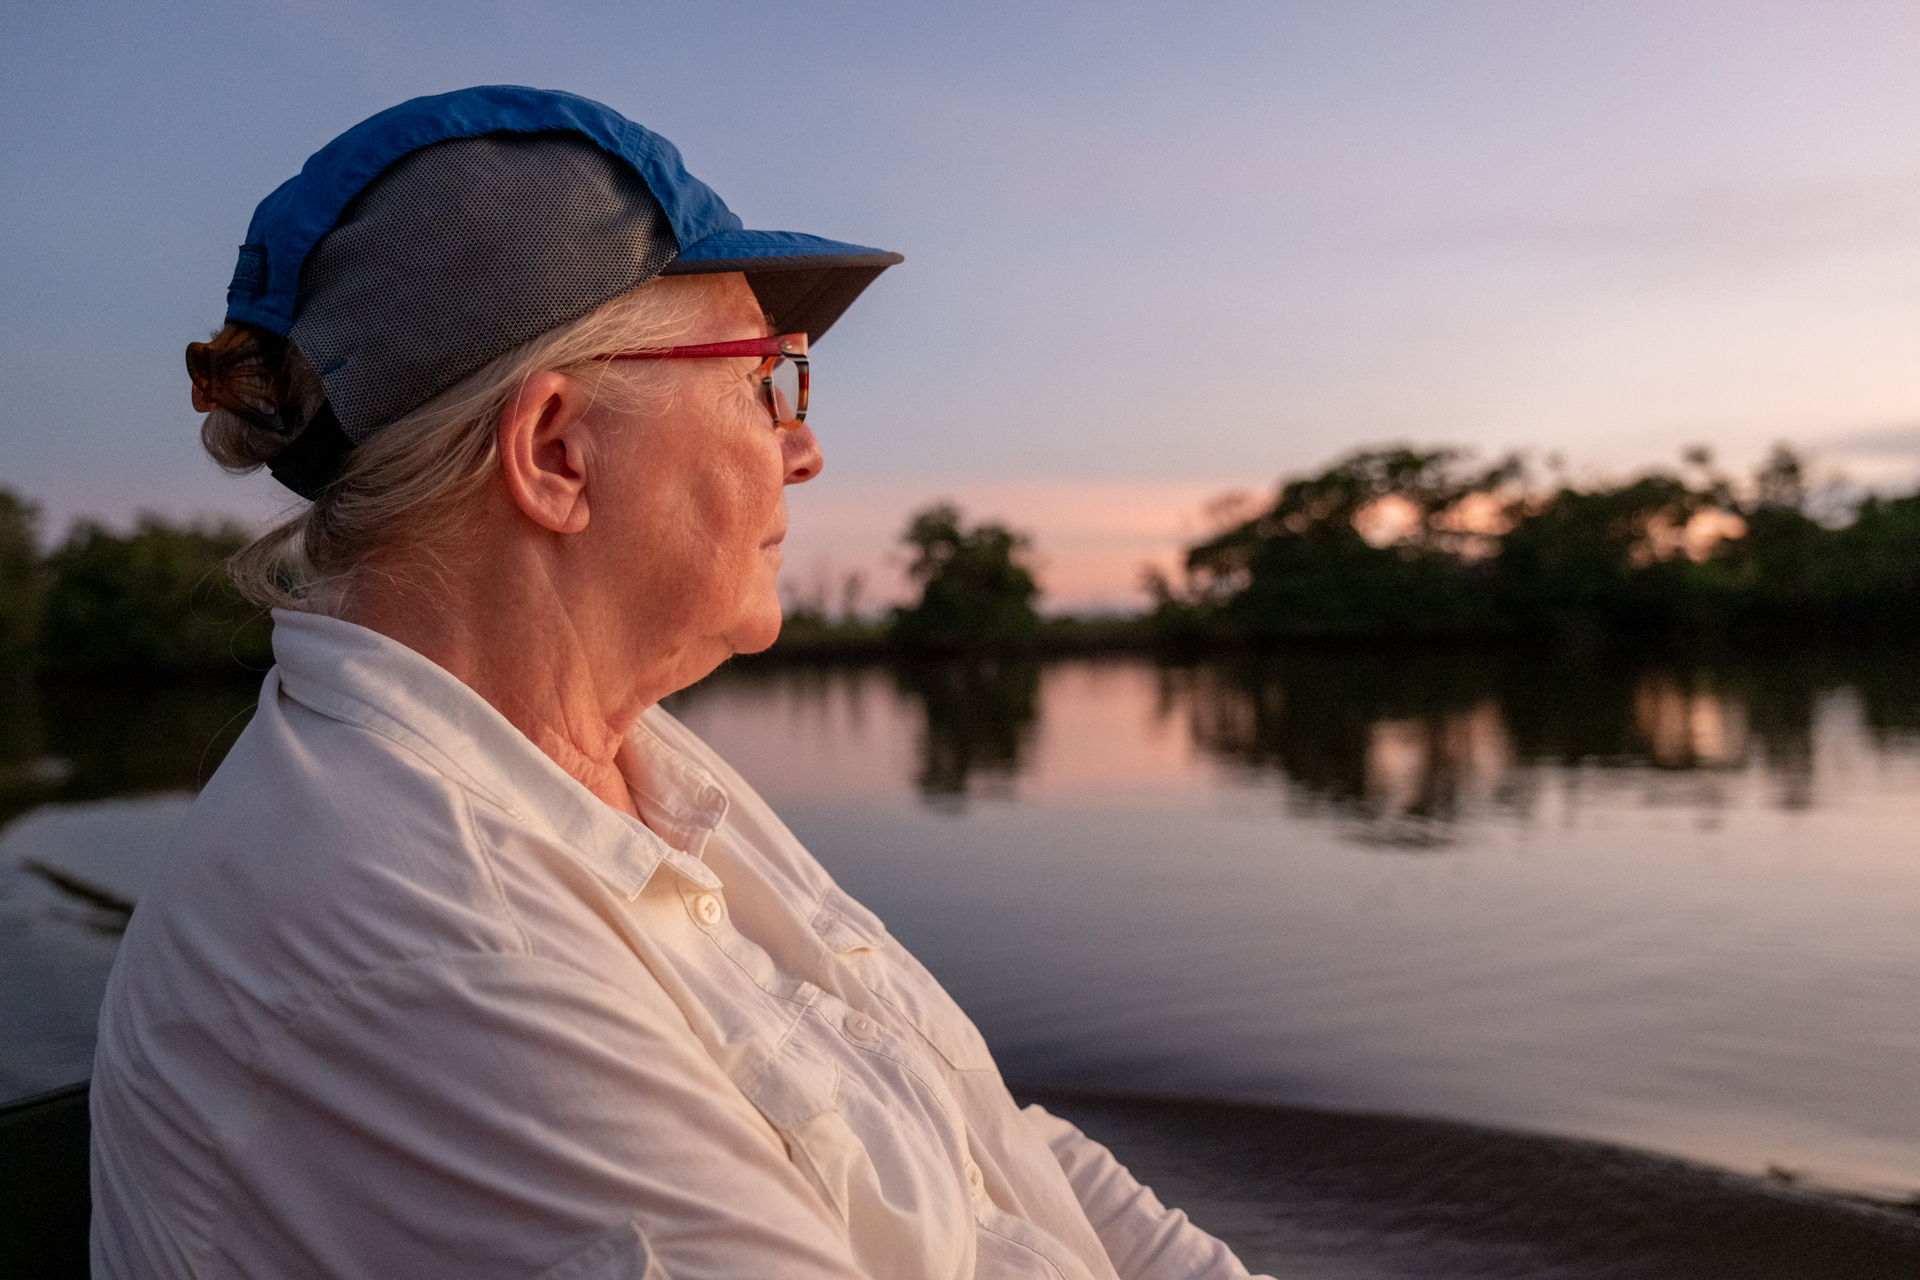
(406, 739)
(489, 850)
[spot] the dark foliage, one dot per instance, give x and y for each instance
(976, 591)
(1473, 554)
(22, 585)
(156, 602)
(1587, 556)
(1303, 568)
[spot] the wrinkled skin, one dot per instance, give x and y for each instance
(620, 552)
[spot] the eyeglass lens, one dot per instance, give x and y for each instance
(783, 386)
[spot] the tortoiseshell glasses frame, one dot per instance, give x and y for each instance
(783, 373)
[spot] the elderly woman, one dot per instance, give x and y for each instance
(470, 961)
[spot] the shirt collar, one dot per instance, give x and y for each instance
(349, 673)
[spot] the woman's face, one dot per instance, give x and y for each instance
(691, 508)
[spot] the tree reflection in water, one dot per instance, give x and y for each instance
(980, 716)
(1399, 747)
(1404, 745)
(67, 740)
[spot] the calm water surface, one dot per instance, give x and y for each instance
(1675, 905)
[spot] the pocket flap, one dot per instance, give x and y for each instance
(844, 925)
(887, 970)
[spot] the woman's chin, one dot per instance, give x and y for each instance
(757, 633)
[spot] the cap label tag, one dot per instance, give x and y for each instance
(250, 272)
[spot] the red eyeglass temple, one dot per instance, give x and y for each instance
(791, 344)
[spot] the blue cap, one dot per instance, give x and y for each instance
(440, 234)
(710, 237)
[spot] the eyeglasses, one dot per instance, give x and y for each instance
(782, 374)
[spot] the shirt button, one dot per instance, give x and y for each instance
(861, 1027)
(976, 1184)
(706, 909)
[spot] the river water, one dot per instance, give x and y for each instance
(1670, 904)
(1672, 907)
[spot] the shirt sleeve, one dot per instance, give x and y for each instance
(1143, 1238)
(493, 1117)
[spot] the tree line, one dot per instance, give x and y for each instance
(156, 601)
(1392, 543)
(1403, 544)
(1400, 543)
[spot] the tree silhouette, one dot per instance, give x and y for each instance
(976, 592)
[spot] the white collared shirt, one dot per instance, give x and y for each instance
(409, 1001)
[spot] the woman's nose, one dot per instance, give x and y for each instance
(802, 453)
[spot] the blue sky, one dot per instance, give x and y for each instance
(1153, 251)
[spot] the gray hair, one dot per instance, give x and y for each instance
(405, 494)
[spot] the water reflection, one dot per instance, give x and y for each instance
(1400, 748)
(980, 716)
(1671, 899)
(78, 741)
(1392, 744)
(1404, 747)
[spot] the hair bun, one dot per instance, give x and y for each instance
(244, 371)
(200, 368)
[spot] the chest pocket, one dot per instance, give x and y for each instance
(862, 1133)
(887, 969)
(1008, 1249)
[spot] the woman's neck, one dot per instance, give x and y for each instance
(502, 625)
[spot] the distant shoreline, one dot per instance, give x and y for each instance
(1068, 637)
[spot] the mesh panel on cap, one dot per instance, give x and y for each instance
(458, 253)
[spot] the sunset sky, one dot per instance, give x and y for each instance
(1154, 252)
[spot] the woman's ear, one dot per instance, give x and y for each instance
(544, 453)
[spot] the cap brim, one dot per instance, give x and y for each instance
(803, 282)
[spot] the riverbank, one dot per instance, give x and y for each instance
(809, 639)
